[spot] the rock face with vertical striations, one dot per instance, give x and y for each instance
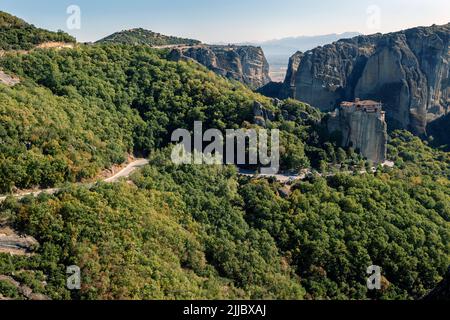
(246, 64)
(362, 126)
(442, 291)
(408, 71)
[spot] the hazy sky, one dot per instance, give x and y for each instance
(232, 20)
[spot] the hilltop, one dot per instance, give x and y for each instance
(16, 34)
(140, 36)
(199, 232)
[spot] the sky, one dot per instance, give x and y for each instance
(230, 21)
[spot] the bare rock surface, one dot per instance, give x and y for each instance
(362, 128)
(8, 80)
(14, 243)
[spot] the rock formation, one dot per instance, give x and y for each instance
(25, 291)
(139, 36)
(408, 71)
(246, 64)
(362, 126)
(294, 63)
(262, 114)
(440, 132)
(8, 80)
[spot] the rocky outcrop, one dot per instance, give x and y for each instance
(442, 291)
(139, 36)
(262, 114)
(55, 45)
(408, 71)
(294, 63)
(362, 126)
(438, 131)
(246, 64)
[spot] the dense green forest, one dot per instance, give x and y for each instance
(141, 36)
(16, 34)
(80, 110)
(200, 232)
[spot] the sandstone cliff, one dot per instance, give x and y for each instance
(408, 71)
(439, 130)
(364, 131)
(246, 64)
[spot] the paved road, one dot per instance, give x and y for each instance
(125, 172)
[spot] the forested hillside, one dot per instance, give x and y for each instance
(90, 106)
(333, 228)
(201, 232)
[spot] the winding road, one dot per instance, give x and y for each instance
(139, 163)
